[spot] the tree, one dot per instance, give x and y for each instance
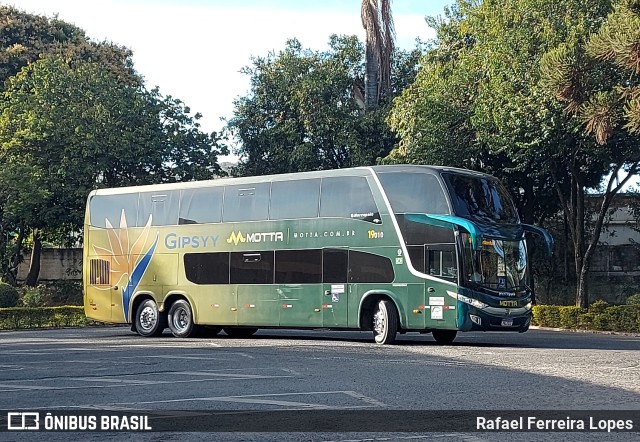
(379, 48)
(72, 126)
(26, 37)
(598, 76)
(478, 102)
(301, 113)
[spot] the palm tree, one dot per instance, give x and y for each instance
(380, 35)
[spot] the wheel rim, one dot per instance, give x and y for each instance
(148, 318)
(379, 323)
(180, 319)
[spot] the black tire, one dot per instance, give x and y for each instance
(149, 321)
(385, 322)
(444, 337)
(240, 332)
(180, 320)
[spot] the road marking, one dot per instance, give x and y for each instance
(260, 399)
(362, 397)
(114, 381)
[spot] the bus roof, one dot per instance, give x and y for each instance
(355, 171)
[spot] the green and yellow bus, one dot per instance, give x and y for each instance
(390, 249)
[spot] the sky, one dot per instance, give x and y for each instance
(193, 50)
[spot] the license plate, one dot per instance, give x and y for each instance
(507, 322)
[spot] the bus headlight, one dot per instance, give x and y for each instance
(473, 302)
(528, 306)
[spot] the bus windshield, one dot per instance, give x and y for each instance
(481, 199)
(499, 265)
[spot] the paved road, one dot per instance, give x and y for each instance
(111, 368)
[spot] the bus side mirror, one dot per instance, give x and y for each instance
(548, 239)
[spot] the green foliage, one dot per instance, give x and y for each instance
(598, 307)
(22, 317)
(75, 116)
(32, 297)
(633, 299)
(26, 37)
(57, 293)
(600, 76)
(8, 295)
(303, 113)
(599, 316)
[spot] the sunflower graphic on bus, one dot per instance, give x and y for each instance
(128, 261)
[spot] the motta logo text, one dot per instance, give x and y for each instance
(237, 238)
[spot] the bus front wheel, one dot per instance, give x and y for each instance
(444, 337)
(149, 321)
(385, 322)
(181, 319)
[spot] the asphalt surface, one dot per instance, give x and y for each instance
(111, 369)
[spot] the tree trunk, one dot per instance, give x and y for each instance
(14, 258)
(34, 264)
(370, 79)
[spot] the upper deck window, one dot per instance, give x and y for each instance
(414, 192)
(347, 197)
(294, 199)
(110, 207)
(480, 198)
(199, 206)
(246, 202)
(160, 206)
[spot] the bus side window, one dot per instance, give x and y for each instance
(246, 202)
(348, 197)
(335, 265)
(299, 266)
(294, 199)
(207, 268)
(251, 268)
(416, 255)
(162, 207)
(367, 267)
(109, 208)
(199, 206)
(440, 261)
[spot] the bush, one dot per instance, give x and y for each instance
(8, 295)
(599, 316)
(65, 316)
(32, 297)
(598, 307)
(634, 299)
(569, 316)
(64, 292)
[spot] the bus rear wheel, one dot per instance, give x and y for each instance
(181, 319)
(149, 321)
(444, 337)
(385, 322)
(240, 332)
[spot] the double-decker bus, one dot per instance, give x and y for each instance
(390, 249)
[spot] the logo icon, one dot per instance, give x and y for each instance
(236, 238)
(23, 421)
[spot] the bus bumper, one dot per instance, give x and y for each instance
(471, 318)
